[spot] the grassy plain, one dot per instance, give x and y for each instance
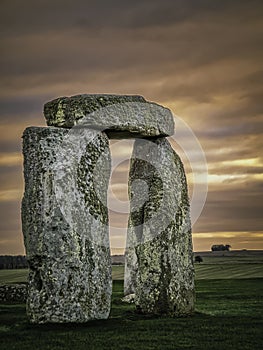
(229, 265)
(216, 265)
(228, 316)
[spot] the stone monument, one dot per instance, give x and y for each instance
(65, 216)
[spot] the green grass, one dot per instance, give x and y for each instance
(228, 316)
(13, 276)
(206, 270)
(229, 306)
(228, 270)
(117, 272)
(20, 276)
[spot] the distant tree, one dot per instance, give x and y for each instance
(220, 247)
(198, 259)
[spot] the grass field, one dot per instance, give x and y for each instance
(202, 271)
(215, 267)
(228, 316)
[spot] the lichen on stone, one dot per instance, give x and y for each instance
(159, 265)
(65, 215)
(120, 116)
(67, 250)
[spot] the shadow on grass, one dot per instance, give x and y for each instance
(228, 316)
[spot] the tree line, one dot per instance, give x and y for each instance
(13, 262)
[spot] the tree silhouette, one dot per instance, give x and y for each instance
(198, 259)
(220, 247)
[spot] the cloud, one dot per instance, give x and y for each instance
(10, 218)
(174, 36)
(10, 159)
(11, 177)
(14, 106)
(231, 207)
(62, 14)
(10, 195)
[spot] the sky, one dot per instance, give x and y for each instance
(200, 58)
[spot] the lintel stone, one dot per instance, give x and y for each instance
(121, 116)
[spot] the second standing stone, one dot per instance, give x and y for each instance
(159, 265)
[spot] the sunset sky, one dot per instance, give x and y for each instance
(203, 59)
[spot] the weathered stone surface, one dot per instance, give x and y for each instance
(129, 299)
(65, 224)
(121, 116)
(159, 264)
(13, 293)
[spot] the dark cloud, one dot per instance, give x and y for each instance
(14, 106)
(236, 129)
(233, 207)
(61, 14)
(10, 217)
(10, 146)
(152, 34)
(11, 177)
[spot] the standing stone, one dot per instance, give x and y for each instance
(65, 224)
(121, 116)
(159, 264)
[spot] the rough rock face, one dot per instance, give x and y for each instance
(121, 116)
(65, 224)
(13, 293)
(159, 264)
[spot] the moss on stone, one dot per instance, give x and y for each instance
(70, 267)
(159, 266)
(121, 116)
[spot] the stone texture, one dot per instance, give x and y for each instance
(121, 116)
(159, 262)
(129, 299)
(13, 293)
(65, 224)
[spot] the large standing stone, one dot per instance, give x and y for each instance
(159, 265)
(121, 116)
(65, 224)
